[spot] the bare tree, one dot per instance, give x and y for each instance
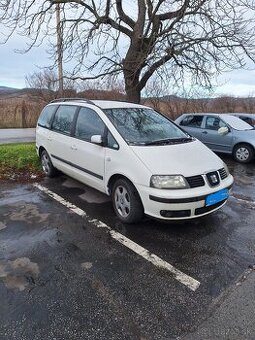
(225, 104)
(188, 40)
(109, 90)
(46, 87)
(248, 104)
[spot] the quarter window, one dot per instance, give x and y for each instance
(63, 119)
(88, 124)
(46, 116)
(111, 142)
(192, 121)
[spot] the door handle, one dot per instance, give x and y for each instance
(74, 147)
(49, 138)
(205, 132)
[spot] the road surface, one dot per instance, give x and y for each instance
(69, 269)
(8, 136)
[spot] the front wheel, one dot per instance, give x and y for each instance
(126, 201)
(243, 153)
(47, 165)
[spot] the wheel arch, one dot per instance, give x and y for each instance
(41, 149)
(117, 176)
(114, 178)
(242, 143)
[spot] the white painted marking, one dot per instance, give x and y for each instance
(252, 203)
(183, 278)
(61, 200)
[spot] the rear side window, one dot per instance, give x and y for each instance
(63, 119)
(46, 116)
(88, 124)
(192, 121)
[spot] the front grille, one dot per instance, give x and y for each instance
(195, 181)
(223, 173)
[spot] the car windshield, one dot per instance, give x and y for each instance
(237, 123)
(141, 126)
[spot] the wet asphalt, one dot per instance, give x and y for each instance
(63, 278)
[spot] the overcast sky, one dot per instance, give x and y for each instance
(15, 66)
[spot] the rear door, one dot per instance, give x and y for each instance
(213, 139)
(60, 143)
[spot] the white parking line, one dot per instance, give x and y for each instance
(242, 200)
(185, 279)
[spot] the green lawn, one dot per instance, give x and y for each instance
(18, 159)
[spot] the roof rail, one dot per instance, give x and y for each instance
(71, 99)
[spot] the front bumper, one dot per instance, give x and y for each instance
(181, 204)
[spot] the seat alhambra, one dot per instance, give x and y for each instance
(144, 161)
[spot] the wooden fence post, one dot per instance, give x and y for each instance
(23, 114)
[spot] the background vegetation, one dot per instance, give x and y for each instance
(19, 161)
(22, 108)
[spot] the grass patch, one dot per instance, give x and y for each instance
(19, 161)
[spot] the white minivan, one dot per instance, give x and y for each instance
(144, 161)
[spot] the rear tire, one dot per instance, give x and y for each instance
(47, 165)
(243, 153)
(126, 201)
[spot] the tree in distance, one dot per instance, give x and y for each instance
(177, 40)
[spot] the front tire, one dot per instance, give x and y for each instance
(243, 153)
(47, 165)
(126, 201)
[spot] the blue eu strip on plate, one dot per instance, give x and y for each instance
(216, 197)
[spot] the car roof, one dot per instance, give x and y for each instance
(208, 114)
(220, 114)
(103, 104)
(242, 114)
(110, 104)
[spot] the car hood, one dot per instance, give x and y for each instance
(187, 159)
(246, 133)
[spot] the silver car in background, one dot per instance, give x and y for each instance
(247, 117)
(221, 133)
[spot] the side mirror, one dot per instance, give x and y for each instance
(97, 139)
(223, 131)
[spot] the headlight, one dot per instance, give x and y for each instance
(168, 182)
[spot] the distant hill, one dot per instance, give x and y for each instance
(7, 90)
(20, 94)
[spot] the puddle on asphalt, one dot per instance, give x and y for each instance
(18, 274)
(27, 213)
(244, 174)
(90, 195)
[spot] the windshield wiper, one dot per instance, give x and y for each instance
(136, 143)
(170, 141)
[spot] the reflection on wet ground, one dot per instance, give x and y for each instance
(62, 278)
(18, 273)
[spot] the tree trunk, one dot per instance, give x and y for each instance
(133, 94)
(132, 86)
(131, 71)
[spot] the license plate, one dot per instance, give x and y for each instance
(216, 197)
